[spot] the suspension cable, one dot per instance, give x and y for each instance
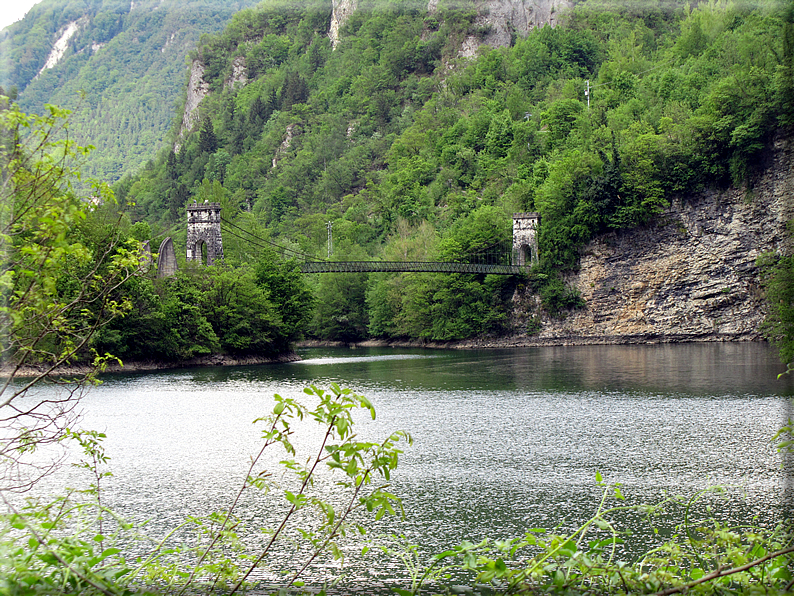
(265, 240)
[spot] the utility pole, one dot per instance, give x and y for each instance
(330, 225)
(587, 93)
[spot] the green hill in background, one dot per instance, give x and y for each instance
(413, 138)
(122, 71)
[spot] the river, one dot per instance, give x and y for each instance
(504, 440)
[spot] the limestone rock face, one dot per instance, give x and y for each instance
(341, 11)
(290, 133)
(690, 277)
(62, 43)
(239, 76)
(501, 18)
(506, 18)
(197, 89)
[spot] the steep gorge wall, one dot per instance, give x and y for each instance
(197, 89)
(692, 276)
(341, 11)
(501, 18)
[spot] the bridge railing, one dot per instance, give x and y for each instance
(408, 267)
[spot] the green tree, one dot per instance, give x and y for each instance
(340, 313)
(208, 142)
(287, 289)
(57, 283)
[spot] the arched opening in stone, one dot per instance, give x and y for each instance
(200, 251)
(524, 255)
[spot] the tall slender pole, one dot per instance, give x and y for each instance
(330, 225)
(587, 93)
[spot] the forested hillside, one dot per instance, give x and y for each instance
(415, 153)
(119, 65)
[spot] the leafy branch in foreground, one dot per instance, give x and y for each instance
(706, 557)
(58, 548)
(57, 288)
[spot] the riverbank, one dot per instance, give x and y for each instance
(529, 341)
(149, 365)
(505, 342)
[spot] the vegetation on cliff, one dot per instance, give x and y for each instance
(76, 283)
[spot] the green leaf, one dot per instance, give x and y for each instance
(109, 552)
(444, 555)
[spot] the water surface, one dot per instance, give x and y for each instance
(504, 440)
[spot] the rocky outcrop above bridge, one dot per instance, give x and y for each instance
(239, 75)
(505, 19)
(197, 89)
(501, 19)
(692, 276)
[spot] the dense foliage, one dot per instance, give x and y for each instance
(121, 74)
(74, 280)
(240, 311)
(416, 154)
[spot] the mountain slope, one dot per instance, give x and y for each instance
(415, 151)
(120, 66)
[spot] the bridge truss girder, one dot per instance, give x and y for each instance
(407, 267)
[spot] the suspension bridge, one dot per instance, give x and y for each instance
(204, 245)
(502, 258)
(408, 267)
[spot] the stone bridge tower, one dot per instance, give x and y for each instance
(204, 228)
(525, 238)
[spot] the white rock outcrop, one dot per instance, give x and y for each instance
(239, 77)
(501, 18)
(61, 44)
(341, 11)
(290, 133)
(197, 89)
(505, 19)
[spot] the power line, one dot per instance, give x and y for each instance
(265, 240)
(269, 242)
(247, 239)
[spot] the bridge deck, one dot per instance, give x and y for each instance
(405, 267)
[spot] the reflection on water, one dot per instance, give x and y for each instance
(505, 440)
(359, 359)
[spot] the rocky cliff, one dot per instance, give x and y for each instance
(341, 11)
(692, 276)
(197, 89)
(502, 19)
